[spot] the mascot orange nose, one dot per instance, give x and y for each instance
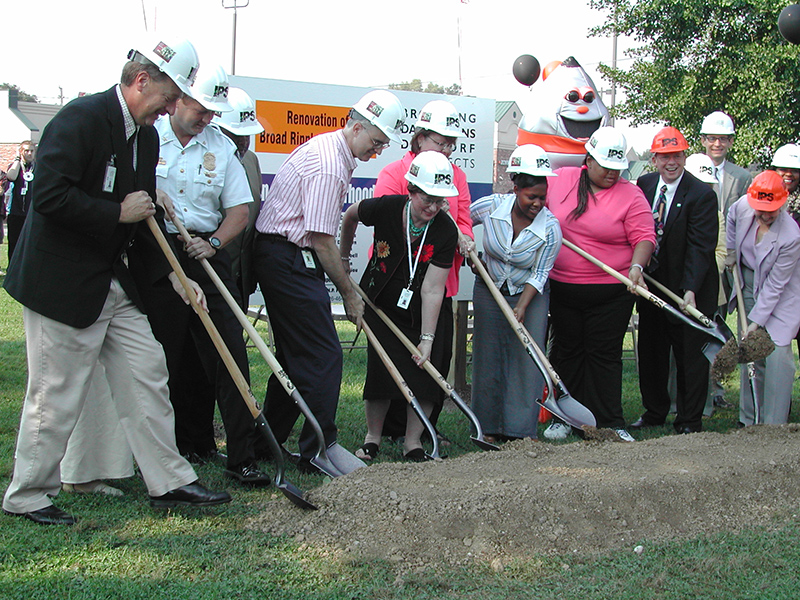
(583, 109)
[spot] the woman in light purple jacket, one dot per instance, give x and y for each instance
(764, 245)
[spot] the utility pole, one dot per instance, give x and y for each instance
(233, 4)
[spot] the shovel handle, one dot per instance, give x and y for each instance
(216, 338)
(675, 298)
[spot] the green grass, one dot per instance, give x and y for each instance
(123, 549)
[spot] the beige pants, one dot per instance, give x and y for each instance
(61, 360)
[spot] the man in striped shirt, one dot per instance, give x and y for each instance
(296, 247)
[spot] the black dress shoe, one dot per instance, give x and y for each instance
(640, 423)
(304, 465)
(249, 474)
(49, 515)
(719, 402)
(192, 494)
(686, 429)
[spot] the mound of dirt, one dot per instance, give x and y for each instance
(534, 498)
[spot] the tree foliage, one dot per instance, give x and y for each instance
(698, 56)
(415, 85)
(24, 96)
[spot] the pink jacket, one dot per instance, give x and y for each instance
(776, 279)
(608, 230)
(392, 180)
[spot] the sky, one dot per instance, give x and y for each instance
(72, 46)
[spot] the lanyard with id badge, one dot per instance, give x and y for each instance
(405, 296)
(111, 174)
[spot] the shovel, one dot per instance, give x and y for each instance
(751, 366)
(478, 439)
(398, 379)
(709, 350)
(289, 490)
(321, 460)
(565, 407)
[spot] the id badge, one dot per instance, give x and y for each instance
(308, 259)
(110, 177)
(405, 298)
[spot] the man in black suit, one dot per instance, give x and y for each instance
(685, 213)
(82, 253)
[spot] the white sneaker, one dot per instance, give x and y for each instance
(557, 431)
(624, 435)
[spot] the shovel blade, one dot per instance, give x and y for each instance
(711, 349)
(483, 444)
(343, 460)
(295, 496)
(570, 411)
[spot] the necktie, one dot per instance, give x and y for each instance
(659, 215)
(716, 173)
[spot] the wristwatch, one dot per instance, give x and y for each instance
(215, 243)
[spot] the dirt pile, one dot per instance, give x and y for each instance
(534, 498)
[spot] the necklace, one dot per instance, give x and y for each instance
(415, 231)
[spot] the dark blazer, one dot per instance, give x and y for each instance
(685, 259)
(72, 243)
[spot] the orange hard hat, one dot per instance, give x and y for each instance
(667, 140)
(767, 192)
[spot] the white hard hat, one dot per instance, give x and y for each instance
(242, 119)
(433, 174)
(440, 116)
(530, 159)
(211, 89)
(717, 123)
(178, 60)
(384, 110)
(787, 156)
(701, 166)
(609, 148)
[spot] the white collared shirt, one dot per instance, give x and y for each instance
(670, 193)
(200, 178)
(130, 124)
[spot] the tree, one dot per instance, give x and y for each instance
(24, 96)
(415, 85)
(698, 56)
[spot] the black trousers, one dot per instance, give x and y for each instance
(197, 376)
(307, 345)
(589, 323)
(658, 333)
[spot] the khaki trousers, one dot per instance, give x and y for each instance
(61, 360)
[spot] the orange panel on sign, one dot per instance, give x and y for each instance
(287, 125)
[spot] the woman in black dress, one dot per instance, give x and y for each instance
(412, 254)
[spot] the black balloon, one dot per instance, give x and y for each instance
(789, 23)
(526, 69)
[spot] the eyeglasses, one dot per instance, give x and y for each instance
(575, 95)
(443, 146)
(376, 144)
(711, 139)
(431, 200)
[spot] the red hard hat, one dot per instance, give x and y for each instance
(667, 140)
(767, 192)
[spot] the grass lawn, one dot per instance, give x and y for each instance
(123, 549)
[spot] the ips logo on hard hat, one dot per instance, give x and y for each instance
(247, 115)
(614, 153)
(414, 170)
(452, 122)
(220, 90)
(375, 108)
(542, 162)
(706, 170)
(516, 161)
(768, 196)
(669, 142)
(164, 51)
(442, 178)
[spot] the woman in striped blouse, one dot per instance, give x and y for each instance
(521, 239)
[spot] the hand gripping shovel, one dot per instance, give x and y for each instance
(565, 407)
(709, 350)
(716, 328)
(289, 490)
(347, 461)
(751, 366)
(401, 383)
(478, 439)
